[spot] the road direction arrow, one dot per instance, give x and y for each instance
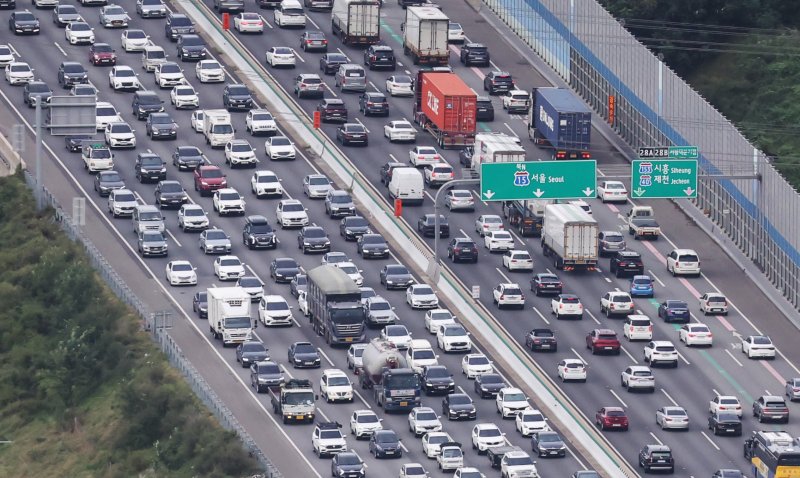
(488, 194)
(588, 192)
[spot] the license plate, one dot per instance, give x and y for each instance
(545, 346)
(616, 425)
(348, 339)
(607, 348)
(402, 404)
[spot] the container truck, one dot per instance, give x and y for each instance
(559, 120)
(496, 148)
(446, 107)
(357, 22)
(217, 127)
(294, 401)
(385, 371)
(425, 36)
(569, 236)
(334, 306)
(229, 314)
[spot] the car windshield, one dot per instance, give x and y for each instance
(188, 151)
(20, 68)
(532, 417)
(136, 35)
(479, 360)
(491, 378)
(451, 452)
(454, 331)
(73, 68)
(253, 347)
(293, 208)
(184, 91)
(106, 111)
(424, 354)
(211, 65)
(338, 381)
(427, 416)
(688, 258)
(241, 148)
(250, 282)
(548, 437)
(762, 341)
(348, 459)
(402, 79)
(438, 439)
(125, 197)
(103, 48)
(114, 11)
(460, 399)
(168, 68)
(642, 281)
(676, 304)
(614, 186)
(570, 300)
(519, 461)
(171, 188)
(67, 9)
(729, 401)
(642, 373)
(314, 233)
(229, 196)
(269, 369)
(152, 237)
(437, 372)
(192, 41)
(75, 27)
(159, 55)
(372, 240)
(285, 263)
(329, 434)
(261, 228)
(284, 51)
(543, 333)
(368, 418)
(489, 432)
(239, 90)
(386, 437)
(397, 270)
(279, 305)
(349, 269)
(262, 117)
(422, 290)
(212, 173)
(176, 22)
(357, 222)
(101, 153)
(111, 177)
(621, 298)
(728, 417)
(512, 291)
(305, 349)
(396, 331)
(341, 198)
(230, 262)
(215, 235)
(610, 336)
(280, 141)
(515, 397)
(160, 119)
(301, 280)
(613, 238)
(380, 306)
(120, 128)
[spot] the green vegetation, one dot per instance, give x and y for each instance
(82, 391)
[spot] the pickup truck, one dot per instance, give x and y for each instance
(641, 227)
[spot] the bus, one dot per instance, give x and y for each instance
(773, 454)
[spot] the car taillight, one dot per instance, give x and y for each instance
(691, 335)
(502, 296)
(561, 154)
(586, 155)
(369, 103)
(309, 41)
(560, 306)
(649, 328)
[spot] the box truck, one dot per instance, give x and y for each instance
(357, 22)
(217, 128)
(229, 315)
(445, 107)
(425, 36)
(560, 120)
(496, 148)
(569, 236)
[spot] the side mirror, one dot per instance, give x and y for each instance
(316, 397)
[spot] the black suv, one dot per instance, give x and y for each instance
(35, 90)
(437, 379)
(426, 225)
(386, 170)
(146, 102)
(237, 97)
(23, 22)
(170, 194)
(626, 263)
(372, 245)
(178, 24)
(332, 109)
(496, 82)
(353, 227)
(150, 167)
(161, 125)
(462, 249)
(191, 47)
(258, 233)
(71, 73)
(475, 54)
(656, 457)
(380, 56)
(373, 103)
(484, 109)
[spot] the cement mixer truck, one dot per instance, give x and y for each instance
(385, 371)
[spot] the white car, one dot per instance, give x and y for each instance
(616, 302)
(335, 385)
(266, 183)
(399, 85)
(134, 40)
(18, 73)
(518, 260)
(302, 303)
(518, 464)
(334, 257)
(683, 262)
(473, 365)
(468, 472)
(273, 310)
(352, 272)
(638, 377)
(612, 191)
(328, 440)
(238, 152)
(105, 114)
(420, 354)
(758, 346)
(6, 55)
(119, 135)
(432, 442)
(498, 241)
(198, 120)
(725, 403)
(438, 174)
(674, 418)
(423, 420)
(123, 78)
(209, 71)
(169, 74)
(485, 436)
(121, 202)
(455, 34)
(453, 338)
(459, 199)
(436, 317)
(531, 421)
(695, 334)
(253, 286)
(398, 335)
(291, 213)
(260, 122)
(638, 327)
(583, 205)
(248, 22)
(399, 130)
(228, 268)
(192, 217)
(181, 273)
(488, 223)
(228, 201)
(571, 369)
(516, 101)
(713, 303)
(281, 56)
(79, 32)
(363, 423)
(510, 401)
(508, 294)
(279, 147)
(661, 351)
(293, 17)
(450, 457)
(424, 155)
(421, 296)
(184, 96)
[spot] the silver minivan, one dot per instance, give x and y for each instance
(147, 218)
(153, 55)
(351, 77)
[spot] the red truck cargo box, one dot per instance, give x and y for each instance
(448, 102)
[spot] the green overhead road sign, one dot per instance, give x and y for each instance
(664, 178)
(674, 152)
(538, 180)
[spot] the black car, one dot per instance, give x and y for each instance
(458, 406)
(488, 384)
(161, 126)
(396, 276)
(498, 82)
(237, 97)
(462, 249)
(548, 444)
(23, 22)
(191, 47)
(386, 170)
(347, 465)
(626, 263)
(187, 157)
(484, 109)
(372, 245)
(380, 56)
(475, 54)
(178, 24)
(373, 103)
(313, 41)
(672, 310)
(350, 133)
(541, 340)
(313, 239)
(300, 282)
(149, 167)
(74, 142)
(170, 194)
(332, 109)
(264, 375)
(250, 352)
(546, 283)
(436, 379)
(303, 354)
(106, 181)
(258, 233)
(283, 269)
(146, 102)
(353, 227)
(35, 91)
(724, 423)
(329, 63)
(200, 304)
(385, 443)
(71, 73)
(656, 457)
(426, 225)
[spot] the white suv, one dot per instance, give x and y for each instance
(363, 423)
(274, 310)
(531, 421)
(661, 351)
(567, 305)
(228, 201)
(453, 338)
(291, 213)
(638, 327)
(518, 464)
(616, 302)
(334, 385)
(420, 353)
(683, 262)
(327, 439)
(638, 376)
(423, 420)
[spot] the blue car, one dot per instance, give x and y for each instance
(642, 286)
(674, 311)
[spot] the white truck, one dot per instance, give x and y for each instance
(425, 35)
(496, 148)
(569, 236)
(357, 22)
(642, 223)
(229, 315)
(217, 128)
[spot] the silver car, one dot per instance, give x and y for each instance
(379, 312)
(215, 241)
(114, 16)
(316, 186)
(354, 355)
(793, 389)
(673, 418)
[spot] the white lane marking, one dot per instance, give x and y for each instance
(669, 397)
(139, 198)
(540, 315)
(592, 316)
(461, 390)
(407, 72)
(710, 440)
(734, 358)
(326, 356)
(373, 85)
(329, 89)
(656, 278)
(502, 274)
(403, 447)
(297, 55)
(517, 238)
(59, 48)
(656, 438)
(393, 158)
(343, 53)
(628, 354)
(312, 22)
(496, 68)
(683, 358)
(399, 64)
(479, 197)
(715, 391)
(509, 128)
(618, 398)
(362, 124)
(361, 398)
(464, 233)
(353, 450)
(174, 238)
(13, 50)
(583, 466)
(429, 196)
(286, 371)
(579, 356)
(607, 279)
(319, 409)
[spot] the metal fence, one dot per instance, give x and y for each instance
(598, 58)
(159, 333)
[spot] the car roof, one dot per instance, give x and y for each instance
(639, 368)
(605, 331)
(684, 251)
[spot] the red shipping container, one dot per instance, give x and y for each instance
(448, 102)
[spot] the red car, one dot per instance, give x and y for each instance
(603, 340)
(208, 179)
(613, 418)
(102, 54)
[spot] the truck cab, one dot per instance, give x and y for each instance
(96, 156)
(229, 315)
(294, 401)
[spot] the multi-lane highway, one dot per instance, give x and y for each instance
(701, 373)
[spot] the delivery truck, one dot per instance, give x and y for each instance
(217, 127)
(496, 148)
(445, 107)
(334, 306)
(385, 371)
(425, 36)
(357, 22)
(560, 120)
(569, 236)
(229, 315)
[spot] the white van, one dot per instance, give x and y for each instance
(290, 14)
(147, 218)
(152, 56)
(419, 354)
(408, 185)
(683, 262)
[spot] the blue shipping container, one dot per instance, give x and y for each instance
(562, 119)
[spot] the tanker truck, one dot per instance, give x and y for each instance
(385, 371)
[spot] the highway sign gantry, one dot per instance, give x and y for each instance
(664, 178)
(538, 180)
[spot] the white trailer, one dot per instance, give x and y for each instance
(229, 315)
(569, 236)
(425, 35)
(357, 22)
